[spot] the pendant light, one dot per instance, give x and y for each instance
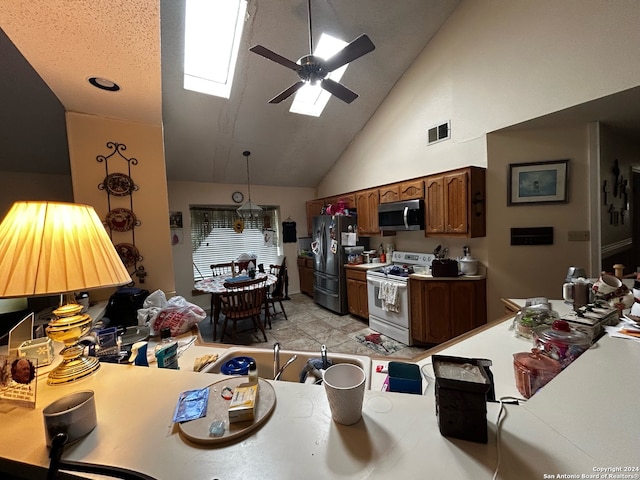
(249, 209)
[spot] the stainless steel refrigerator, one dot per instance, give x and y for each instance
(329, 282)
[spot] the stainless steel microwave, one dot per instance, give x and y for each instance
(398, 216)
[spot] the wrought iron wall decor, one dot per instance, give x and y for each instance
(120, 220)
(620, 191)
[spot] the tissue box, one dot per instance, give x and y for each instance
(243, 403)
(405, 378)
(40, 348)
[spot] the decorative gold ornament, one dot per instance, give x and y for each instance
(238, 225)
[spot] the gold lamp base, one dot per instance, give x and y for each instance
(68, 328)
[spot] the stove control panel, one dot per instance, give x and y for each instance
(410, 258)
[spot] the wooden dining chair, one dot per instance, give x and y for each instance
(276, 294)
(241, 300)
(219, 269)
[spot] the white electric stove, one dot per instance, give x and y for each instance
(396, 325)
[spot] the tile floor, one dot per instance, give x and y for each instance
(307, 328)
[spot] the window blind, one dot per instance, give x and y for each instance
(214, 240)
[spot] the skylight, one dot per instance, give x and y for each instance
(213, 30)
(311, 99)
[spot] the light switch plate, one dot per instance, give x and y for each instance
(579, 236)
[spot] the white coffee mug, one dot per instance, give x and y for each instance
(608, 286)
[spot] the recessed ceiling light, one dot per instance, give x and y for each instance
(104, 84)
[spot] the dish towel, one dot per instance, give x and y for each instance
(388, 293)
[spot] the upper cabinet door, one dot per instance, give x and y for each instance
(367, 202)
(412, 190)
(434, 205)
(455, 202)
(390, 193)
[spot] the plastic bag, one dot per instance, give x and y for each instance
(179, 315)
(151, 306)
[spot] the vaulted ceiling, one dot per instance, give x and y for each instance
(49, 49)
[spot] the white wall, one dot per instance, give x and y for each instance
(184, 194)
(529, 271)
(492, 65)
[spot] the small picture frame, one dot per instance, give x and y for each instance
(175, 219)
(538, 182)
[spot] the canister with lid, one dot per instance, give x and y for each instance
(533, 370)
(561, 342)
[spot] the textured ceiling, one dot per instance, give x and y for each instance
(51, 47)
(67, 42)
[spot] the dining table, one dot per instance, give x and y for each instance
(215, 286)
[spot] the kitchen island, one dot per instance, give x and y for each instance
(583, 420)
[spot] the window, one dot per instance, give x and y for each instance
(213, 30)
(213, 239)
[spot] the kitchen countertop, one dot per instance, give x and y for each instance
(583, 419)
(366, 266)
(418, 276)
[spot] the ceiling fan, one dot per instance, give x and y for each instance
(312, 69)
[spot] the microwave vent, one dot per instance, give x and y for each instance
(439, 133)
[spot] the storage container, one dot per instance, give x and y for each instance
(405, 378)
(533, 370)
(561, 342)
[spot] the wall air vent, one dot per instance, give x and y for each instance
(439, 133)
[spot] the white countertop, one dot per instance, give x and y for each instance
(585, 418)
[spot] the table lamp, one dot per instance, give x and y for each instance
(49, 248)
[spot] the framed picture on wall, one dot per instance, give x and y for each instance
(538, 182)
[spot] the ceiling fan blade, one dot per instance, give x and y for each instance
(287, 93)
(359, 47)
(274, 57)
(339, 90)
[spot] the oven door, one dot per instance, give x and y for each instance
(399, 318)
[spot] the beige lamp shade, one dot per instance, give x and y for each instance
(51, 248)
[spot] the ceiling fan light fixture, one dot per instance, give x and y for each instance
(316, 68)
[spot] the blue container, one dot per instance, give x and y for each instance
(405, 378)
(236, 366)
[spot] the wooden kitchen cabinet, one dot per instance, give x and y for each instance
(455, 203)
(305, 272)
(397, 192)
(442, 310)
(367, 206)
(357, 298)
(390, 193)
(314, 208)
(412, 190)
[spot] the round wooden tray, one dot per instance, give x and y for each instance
(217, 409)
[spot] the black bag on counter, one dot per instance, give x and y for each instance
(123, 306)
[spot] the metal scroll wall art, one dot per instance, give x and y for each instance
(616, 192)
(120, 221)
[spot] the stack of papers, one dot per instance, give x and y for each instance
(629, 328)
